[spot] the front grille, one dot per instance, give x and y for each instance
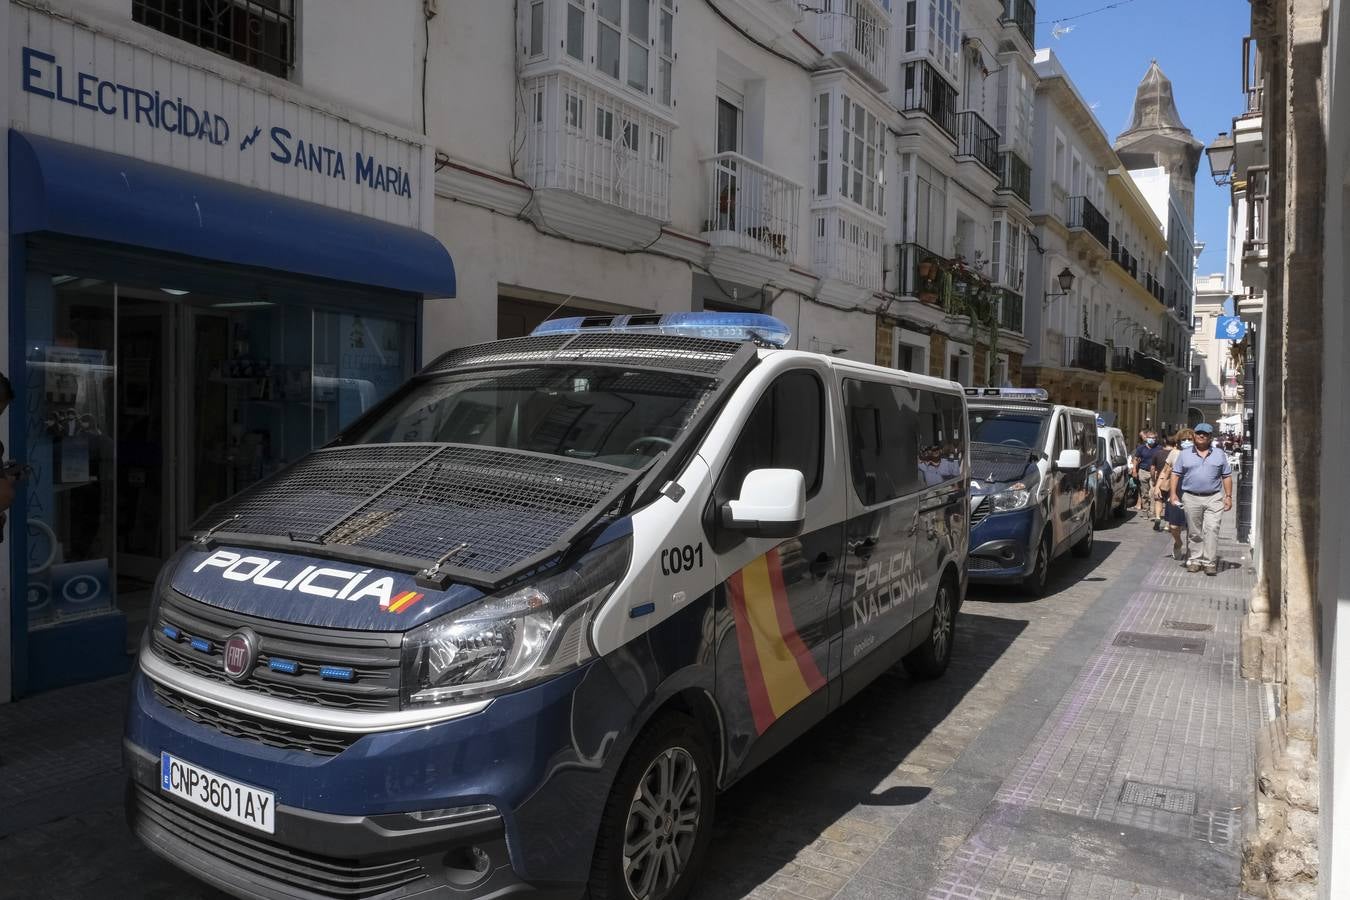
(980, 564)
(258, 859)
(979, 514)
(373, 657)
(282, 735)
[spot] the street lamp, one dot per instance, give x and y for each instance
(1220, 153)
(1065, 279)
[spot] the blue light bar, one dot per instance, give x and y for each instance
(201, 645)
(171, 632)
(758, 327)
(1019, 393)
(337, 673)
(285, 666)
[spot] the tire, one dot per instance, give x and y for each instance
(1119, 511)
(1083, 549)
(1034, 583)
(930, 659)
(641, 852)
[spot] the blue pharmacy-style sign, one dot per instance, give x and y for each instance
(1230, 328)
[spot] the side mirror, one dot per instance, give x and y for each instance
(1069, 460)
(772, 504)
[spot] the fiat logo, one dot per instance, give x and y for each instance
(241, 649)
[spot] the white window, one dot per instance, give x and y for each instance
(930, 207)
(629, 41)
(862, 157)
(910, 352)
(944, 33)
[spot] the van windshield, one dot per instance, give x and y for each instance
(1011, 428)
(615, 416)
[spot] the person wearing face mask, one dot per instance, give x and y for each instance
(1141, 467)
(1202, 483)
(1174, 515)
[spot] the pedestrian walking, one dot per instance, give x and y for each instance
(1141, 467)
(1174, 515)
(1166, 445)
(1202, 485)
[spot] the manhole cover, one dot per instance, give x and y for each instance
(1155, 796)
(1173, 644)
(1187, 626)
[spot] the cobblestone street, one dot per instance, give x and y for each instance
(1093, 744)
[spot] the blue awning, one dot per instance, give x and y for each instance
(65, 189)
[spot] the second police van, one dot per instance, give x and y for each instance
(1031, 463)
(516, 627)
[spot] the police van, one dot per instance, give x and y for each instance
(517, 626)
(1032, 491)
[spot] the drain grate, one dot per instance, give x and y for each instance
(1156, 796)
(1187, 626)
(1173, 644)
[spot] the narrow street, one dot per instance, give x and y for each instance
(1055, 759)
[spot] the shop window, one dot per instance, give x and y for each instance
(257, 33)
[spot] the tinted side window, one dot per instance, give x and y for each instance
(785, 431)
(883, 431)
(941, 438)
(1085, 438)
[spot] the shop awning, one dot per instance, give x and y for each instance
(66, 189)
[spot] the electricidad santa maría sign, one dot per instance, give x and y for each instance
(44, 75)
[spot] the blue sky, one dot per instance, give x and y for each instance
(1198, 43)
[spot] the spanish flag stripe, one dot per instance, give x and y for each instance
(782, 677)
(401, 601)
(788, 628)
(760, 707)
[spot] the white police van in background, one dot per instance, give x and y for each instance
(517, 626)
(1031, 465)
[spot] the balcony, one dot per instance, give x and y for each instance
(854, 33)
(847, 247)
(1255, 244)
(1081, 353)
(1083, 216)
(976, 139)
(927, 93)
(1149, 367)
(920, 272)
(1122, 359)
(1253, 77)
(1009, 310)
(590, 152)
(1020, 14)
(750, 207)
(1014, 176)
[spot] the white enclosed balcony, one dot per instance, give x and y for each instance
(750, 207)
(854, 33)
(582, 141)
(848, 247)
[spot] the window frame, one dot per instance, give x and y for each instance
(723, 491)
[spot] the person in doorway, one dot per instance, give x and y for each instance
(1141, 467)
(1202, 485)
(1174, 515)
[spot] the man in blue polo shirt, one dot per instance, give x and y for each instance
(1202, 484)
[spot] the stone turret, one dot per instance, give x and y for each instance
(1157, 137)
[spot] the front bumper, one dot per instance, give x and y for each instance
(320, 855)
(539, 757)
(1000, 546)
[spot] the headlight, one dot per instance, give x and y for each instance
(508, 640)
(1018, 496)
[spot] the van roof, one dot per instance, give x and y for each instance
(870, 370)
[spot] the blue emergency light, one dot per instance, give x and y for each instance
(764, 329)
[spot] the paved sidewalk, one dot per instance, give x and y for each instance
(1054, 759)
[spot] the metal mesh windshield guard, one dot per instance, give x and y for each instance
(474, 514)
(998, 465)
(638, 350)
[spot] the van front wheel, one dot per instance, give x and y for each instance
(657, 822)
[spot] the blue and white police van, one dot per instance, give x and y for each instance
(1031, 488)
(516, 627)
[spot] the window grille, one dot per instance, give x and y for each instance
(257, 33)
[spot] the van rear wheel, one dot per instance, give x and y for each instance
(657, 823)
(930, 659)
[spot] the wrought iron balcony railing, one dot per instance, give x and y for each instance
(927, 92)
(1082, 214)
(1015, 175)
(1021, 13)
(1010, 310)
(1253, 76)
(1258, 197)
(1149, 367)
(750, 207)
(1082, 353)
(977, 139)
